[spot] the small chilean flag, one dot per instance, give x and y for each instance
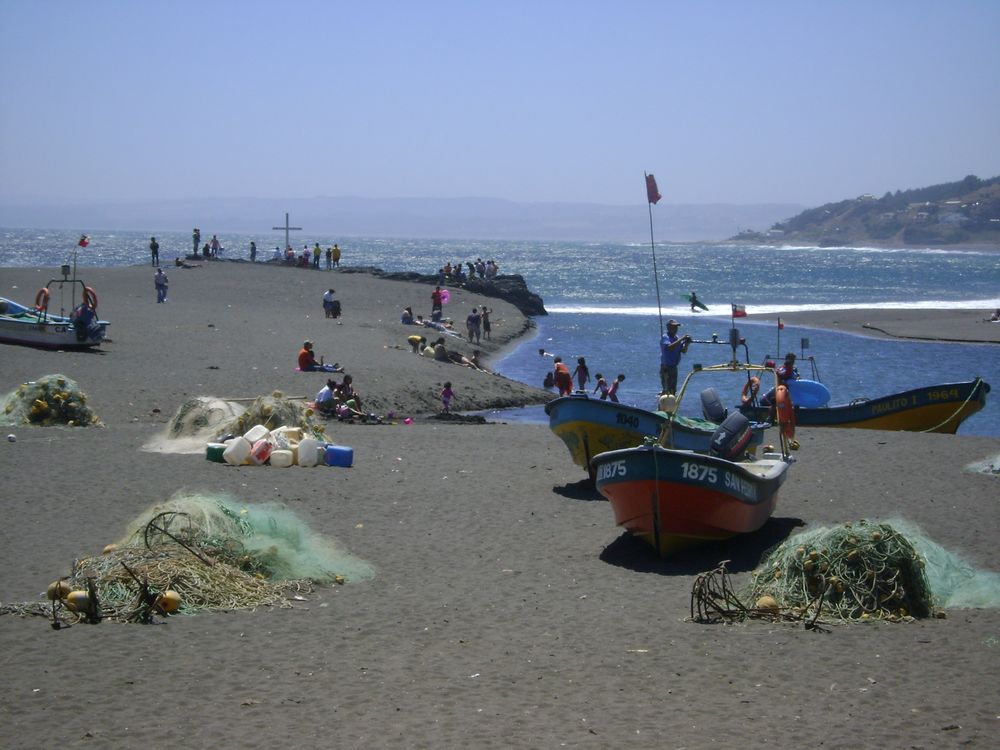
(781, 326)
(84, 240)
(739, 311)
(652, 192)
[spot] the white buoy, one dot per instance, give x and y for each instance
(12, 438)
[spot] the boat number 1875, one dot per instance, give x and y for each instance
(697, 472)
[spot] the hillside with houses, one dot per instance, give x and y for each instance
(955, 213)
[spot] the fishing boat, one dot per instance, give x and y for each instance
(36, 326)
(673, 498)
(589, 426)
(935, 408)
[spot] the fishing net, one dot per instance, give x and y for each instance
(216, 553)
(889, 570)
(212, 416)
(854, 571)
(50, 400)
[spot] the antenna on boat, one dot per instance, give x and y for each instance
(653, 196)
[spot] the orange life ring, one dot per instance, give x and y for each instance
(90, 297)
(786, 412)
(750, 389)
(42, 299)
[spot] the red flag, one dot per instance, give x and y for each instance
(781, 326)
(84, 240)
(739, 311)
(652, 192)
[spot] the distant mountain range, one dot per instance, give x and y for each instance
(455, 218)
(953, 213)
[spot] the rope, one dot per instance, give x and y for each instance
(975, 387)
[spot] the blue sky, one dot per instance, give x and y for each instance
(738, 102)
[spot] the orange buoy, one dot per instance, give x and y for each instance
(90, 297)
(750, 389)
(786, 412)
(42, 299)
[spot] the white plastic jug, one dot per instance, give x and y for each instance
(237, 451)
(281, 458)
(257, 432)
(308, 452)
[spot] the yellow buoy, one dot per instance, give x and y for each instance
(768, 604)
(169, 601)
(78, 601)
(58, 590)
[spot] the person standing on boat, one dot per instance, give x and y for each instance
(672, 347)
(160, 281)
(154, 250)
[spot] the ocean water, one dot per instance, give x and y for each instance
(606, 304)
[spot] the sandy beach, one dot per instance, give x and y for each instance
(507, 610)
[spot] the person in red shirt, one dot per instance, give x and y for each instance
(613, 390)
(562, 377)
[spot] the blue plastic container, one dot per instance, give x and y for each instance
(339, 455)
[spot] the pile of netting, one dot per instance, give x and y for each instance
(215, 553)
(850, 572)
(220, 417)
(50, 400)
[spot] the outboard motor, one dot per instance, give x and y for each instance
(711, 406)
(730, 439)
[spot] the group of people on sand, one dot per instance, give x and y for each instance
(562, 379)
(340, 400)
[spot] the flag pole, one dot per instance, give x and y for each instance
(650, 200)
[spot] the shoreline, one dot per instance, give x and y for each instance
(938, 325)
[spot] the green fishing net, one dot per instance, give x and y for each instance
(50, 400)
(887, 570)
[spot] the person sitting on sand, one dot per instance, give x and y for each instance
(345, 392)
(308, 363)
(995, 317)
(441, 354)
(407, 317)
(326, 399)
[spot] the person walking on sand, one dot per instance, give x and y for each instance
(253, 252)
(487, 326)
(581, 373)
(336, 256)
(215, 246)
(672, 347)
(329, 258)
(447, 394)
(436, 301)
(472, 325)
(196, 238)
(317, 252)
(160, 281)
(154, 250)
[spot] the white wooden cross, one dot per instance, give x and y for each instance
(287, 230)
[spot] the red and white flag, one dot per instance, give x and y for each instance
(781, 326)
(652, 192)
(739, 311)
(84, 240)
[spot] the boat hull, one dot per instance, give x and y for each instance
(937, 408)
(588, 426)
(23, 326)
(675, 499)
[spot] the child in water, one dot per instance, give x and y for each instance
(602, 386)
(613, 390)
(582, 373)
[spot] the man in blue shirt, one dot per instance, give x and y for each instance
(672, 347)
